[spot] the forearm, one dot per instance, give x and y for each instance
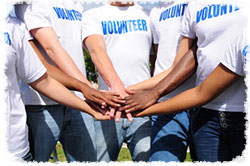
(181, 72)
(198, 96)
(105, 68)
(186, 100)
(48, 39)
(97, 49)
(66, 65)
(58, 74)
(59, 93)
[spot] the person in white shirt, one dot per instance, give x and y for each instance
(56, 28)
(22, 63)
(170, 133)
(219, 126)
(118, 37)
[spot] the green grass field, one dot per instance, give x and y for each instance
(124, 155)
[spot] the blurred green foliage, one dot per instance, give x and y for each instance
(90, 67)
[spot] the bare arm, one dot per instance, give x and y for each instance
(56, 91)
(90, 93)
(198, 96)
(145, 98)
(185, 45)
(48, 40)
(97, 49)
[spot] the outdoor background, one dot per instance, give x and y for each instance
(124, 154)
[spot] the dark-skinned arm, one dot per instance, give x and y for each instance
(181, 72)
(198, 96)
(91, 94)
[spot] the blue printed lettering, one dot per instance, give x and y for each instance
(121, 27)
(223, 10)
(115, 30)
(212, 11)
(104, 27)
(216, 10)
(246, 52)
(110, 27)
(67, 14)
(204, 13)
(124, 27)
(130, 28)
(7, 38)
(209, 12)
(57, 12)
(144, 25)
(139, 25)
(134, 25)
(172, 12)
(178, 10)
(183, 9)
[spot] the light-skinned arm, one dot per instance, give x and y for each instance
(47, 38)
(91, 94)
(97, 49)
(56, 91)
(198, 96)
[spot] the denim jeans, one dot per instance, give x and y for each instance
(111, 135)
(50, 124)
(170, 137)
(218, 136)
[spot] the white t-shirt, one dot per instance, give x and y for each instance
(166, 22)
(214, 22)
(65, 18)
(236, 58)
(23, 63)
(127, 35)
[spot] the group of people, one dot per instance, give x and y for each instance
(195, 97)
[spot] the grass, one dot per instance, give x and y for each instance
(124, 155)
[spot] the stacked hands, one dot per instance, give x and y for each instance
(113, 105)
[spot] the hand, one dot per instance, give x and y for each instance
(118, 114)
(100, 113)
(103, 98)
(140, 100)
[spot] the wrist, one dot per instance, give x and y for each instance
(156, 92)
(117, 86)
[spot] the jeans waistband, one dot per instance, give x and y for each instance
(223, 113)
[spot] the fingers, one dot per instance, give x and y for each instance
(112, 112)
(130, 92)
(129, 116)
(118, 116)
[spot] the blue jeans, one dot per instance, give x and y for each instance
(218, 136)
(111, 135)
(170, 137)
(50, 124)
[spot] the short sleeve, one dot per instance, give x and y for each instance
(90, 24)
(233, 58)
(153, 29)
(187, 22)
(29, 67)
(35, 14)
